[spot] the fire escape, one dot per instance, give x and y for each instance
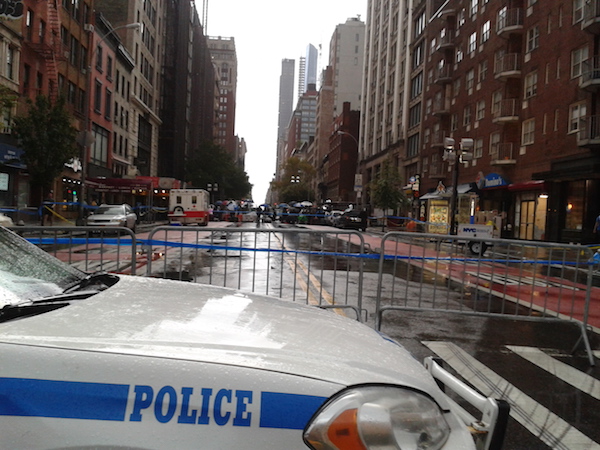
(48, 46)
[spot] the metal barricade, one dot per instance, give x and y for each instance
(508, 278)
(318, 268)
(90, 249)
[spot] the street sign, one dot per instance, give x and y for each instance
(358, 182)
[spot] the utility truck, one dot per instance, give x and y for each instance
(189, 206)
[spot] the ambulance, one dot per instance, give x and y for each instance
(189, 207)
(114, 361)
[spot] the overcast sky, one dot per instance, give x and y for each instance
(266, 32)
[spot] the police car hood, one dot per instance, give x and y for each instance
(177, 320)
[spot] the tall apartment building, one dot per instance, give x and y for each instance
(147, 47)
(224, 58)
(178, 121)
(286, 107)
(388, 64)
(346, 57)
(310, 68)
(521, 80)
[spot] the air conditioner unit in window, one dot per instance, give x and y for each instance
(89, 27)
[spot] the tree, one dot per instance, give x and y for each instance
(386, 189)
(296, 181)
(47, 137)
(210, 163)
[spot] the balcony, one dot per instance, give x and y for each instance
(441, 107)
(502, 154)
(445, 41)
(437, 138)
(590, 75)
(508, 66)
(506, 111)
(591, 16)
(443, 75)
(509, 21)
(447, 12)
(588, 135)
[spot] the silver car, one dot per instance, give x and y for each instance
(113, 216)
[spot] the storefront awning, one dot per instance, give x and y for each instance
(462, 189)
(533, 185)
(118, 184)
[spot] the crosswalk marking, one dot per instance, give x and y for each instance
(540, 421)
(566, 373)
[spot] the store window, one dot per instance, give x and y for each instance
(575, 204)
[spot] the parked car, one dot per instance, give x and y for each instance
(115, 361)
(351, 220)
(113, 216)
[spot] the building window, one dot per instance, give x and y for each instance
(480, 114)
(418, 55)
(459, 55)
(577, 10)
(456, 87)
(98, 97)
(472, 43)
(412, 145)
(109, 67)
(99, 151)
(485, 31)
(454, 122)
(533, 39)
(531, 84)
(467, 116)
(473, 9)
(577, 58)
(483, 68)
(461, 17)
(416, 85)
(528, 132)
(107, 104)
(470, 80)
(496, 102)
(10, 63)
(577, 112)
(420, 24)
(494, 143)
(99, 58)
(478, 149)
(414, 116)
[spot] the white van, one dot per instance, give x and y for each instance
(189, 206)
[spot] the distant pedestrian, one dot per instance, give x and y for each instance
(48, 210)
(364, 219)
(596, 229)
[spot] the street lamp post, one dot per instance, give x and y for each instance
(212, 189)
(86, 138)
(456, 156)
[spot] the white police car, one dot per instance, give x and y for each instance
(106, 361)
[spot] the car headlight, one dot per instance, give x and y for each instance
(378, 417)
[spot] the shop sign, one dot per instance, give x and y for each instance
(491, 180)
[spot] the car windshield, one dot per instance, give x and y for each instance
(110, 210)
(28, 273)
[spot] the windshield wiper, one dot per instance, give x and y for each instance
(102, 278)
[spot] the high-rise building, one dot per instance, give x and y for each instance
(484, 115)
(147, 48)
(286, 106)
(387, 64)
(310, 68)
(346, 57)
(188, 90)
(224, 59)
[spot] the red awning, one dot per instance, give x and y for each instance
(533, 185)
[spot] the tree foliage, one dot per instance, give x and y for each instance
(386, 189)
(296, 181)
(47, 137)
(210, 163)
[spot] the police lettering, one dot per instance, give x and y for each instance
(222, 407)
